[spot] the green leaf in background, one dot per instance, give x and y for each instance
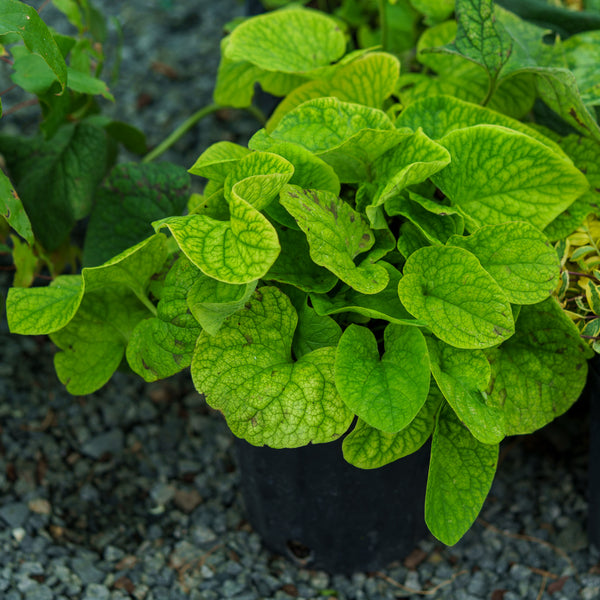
(558, 89)
(294, 266)
(292, 41)
(43, 310)
(539, 373)
(336, 234)
(163, 345)
(40, 310)
(439, 115)
(499, 175)
(25, 262)
(217, 160)
(212, 301)
(461, 472)
(32, 73)
(86, 84)
(18, 18)
(235, 80)
(369, 81)
(93, 343)
(434, 11)
(582, 54)
(368, 448)
(479, 38)
(11, 208)
(131, 197)
(463, 376)
(387, 392)
(114, 301)
(383, 305)
(585, 154)
(519, 258)
(64, 170)
(448, 289)
(246, 371)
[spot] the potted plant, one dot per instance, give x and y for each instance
(367, 269)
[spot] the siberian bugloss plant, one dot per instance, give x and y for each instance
(379, 255)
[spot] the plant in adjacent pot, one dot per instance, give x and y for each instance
(365, 270)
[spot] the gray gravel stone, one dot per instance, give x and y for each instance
(109, 442)
(14, 514)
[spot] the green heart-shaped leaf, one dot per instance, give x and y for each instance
(246, 370)
(518, 257)
(448, 289)
(387, 392)
(491, 180)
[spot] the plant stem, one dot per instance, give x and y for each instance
(181, 131)
(490, 92)
(383, 24)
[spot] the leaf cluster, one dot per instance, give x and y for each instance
(379, 258)
(55, 175)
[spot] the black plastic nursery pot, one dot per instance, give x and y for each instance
(313, 507)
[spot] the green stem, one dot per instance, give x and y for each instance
(490, 92)
(383, 24)
(181, 131)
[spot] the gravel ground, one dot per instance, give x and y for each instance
(133, 492)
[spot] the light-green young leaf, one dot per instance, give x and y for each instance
(368, 448)
(539, 373)
(518, 256)
(336, 235)
(246, 371)
(461, 472)
(243, 248)
(217, 160)
(448, 289)
(387, 392)
(463, 376)
(498, 175)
